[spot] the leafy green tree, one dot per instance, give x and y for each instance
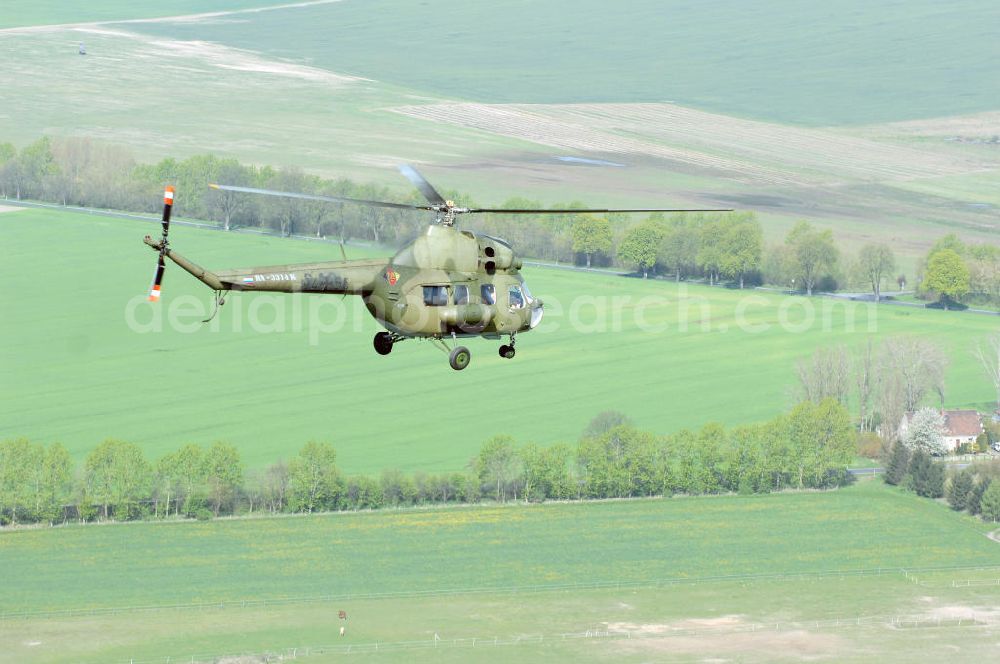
(640, 246)
(591, 235)
(546, 471)
(813, 253)
(117, 477)
(398, 488)
(314, 482)
(959, 489)
(621, 462)
(364, 493)
(36, 164)
(948, 275)
(497, 465)
(179, 476)
(223, 476)
(57, 482)
(821, 440)
(20, 479)
(989, 505)
(876, 262)
(7, 154)
(898, 465)
(679, 247)
(742, 247)
(711, 246)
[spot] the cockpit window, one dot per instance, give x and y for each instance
(516, 297)
(435, 296)
(527, 293)
(488, 293)
(461, 294)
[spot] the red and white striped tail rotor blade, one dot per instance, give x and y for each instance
(154, 290)
(168, 204)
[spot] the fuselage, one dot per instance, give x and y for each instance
(453, 282)
(447, 282)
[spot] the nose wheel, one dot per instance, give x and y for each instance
(507, 352)
(383, 342)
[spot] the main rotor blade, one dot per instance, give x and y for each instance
(585, 210)
(316, 197)
(421, 183)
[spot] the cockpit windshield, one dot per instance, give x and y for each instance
(527, 293)
(516, 297)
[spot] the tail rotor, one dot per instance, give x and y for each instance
(168, 204)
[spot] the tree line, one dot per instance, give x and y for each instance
(714, 247)
(959, 274)
(808, 447)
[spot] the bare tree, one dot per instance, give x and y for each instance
(908, 368)
(988, 354)
(920, 365)
(865, 379)
(824, 375)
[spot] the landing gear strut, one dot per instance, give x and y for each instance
(507, 352)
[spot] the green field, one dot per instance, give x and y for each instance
(850, 63)
(485, 572)
(279, 87)
(26, 13)
(262, 377)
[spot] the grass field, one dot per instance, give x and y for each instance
(668, 356)
(652, 568)
(351, 95)
(848, 63)
(27, 13)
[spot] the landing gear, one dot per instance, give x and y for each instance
(507, 352)
(459, 358)
(383, 343)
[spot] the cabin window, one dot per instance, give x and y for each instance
(515, 297)
(461, 294)
(435, 296)
(488, 293)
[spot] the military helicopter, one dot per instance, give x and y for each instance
(446, 284)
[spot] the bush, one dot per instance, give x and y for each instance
(870, 445)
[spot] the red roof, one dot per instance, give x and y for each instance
(964, 423)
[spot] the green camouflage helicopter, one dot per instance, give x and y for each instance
(445, 285)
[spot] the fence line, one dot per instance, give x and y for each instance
(907, 573)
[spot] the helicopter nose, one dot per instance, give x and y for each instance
(536, 314)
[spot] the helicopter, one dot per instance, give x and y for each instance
(445, 285)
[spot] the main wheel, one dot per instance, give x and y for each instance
(459, 358)
(382, 343)
(506, 351)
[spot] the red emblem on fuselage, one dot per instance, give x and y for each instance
(391, 276)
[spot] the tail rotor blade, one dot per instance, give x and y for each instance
(168, 204)
(154, 289)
